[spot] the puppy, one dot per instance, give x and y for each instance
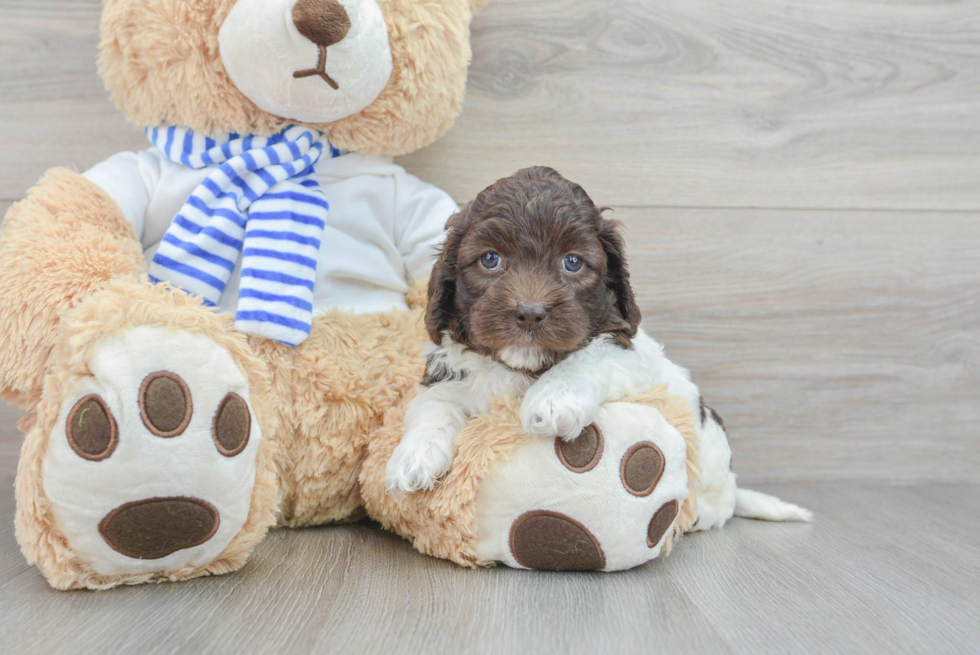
(531, 295)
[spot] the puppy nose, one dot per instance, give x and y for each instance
(531, 316)
(324, 22)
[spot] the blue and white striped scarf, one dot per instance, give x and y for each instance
(263, 205)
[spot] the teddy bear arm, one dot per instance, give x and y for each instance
(66, 239)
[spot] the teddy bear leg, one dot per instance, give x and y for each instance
(344, 378)
(149, 456)
(607, 501)
(64, 240)
(612, 499)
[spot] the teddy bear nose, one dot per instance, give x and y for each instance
(530, 316)
(324, 22)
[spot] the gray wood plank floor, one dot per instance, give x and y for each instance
(884, 569)
(799, 182)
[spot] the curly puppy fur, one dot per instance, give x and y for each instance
(442, 522)
(529, 222)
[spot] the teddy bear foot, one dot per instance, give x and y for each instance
(151, 463)
(144, 459)
(607, 501)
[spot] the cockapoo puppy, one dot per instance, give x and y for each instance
(531, 295)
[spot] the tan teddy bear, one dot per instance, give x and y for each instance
(219, 334)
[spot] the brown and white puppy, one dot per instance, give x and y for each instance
(531, 295)
(531, 272)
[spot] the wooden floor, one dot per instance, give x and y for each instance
(884, 569)
(800, 182)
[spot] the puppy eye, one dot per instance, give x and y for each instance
(573, 263)
(490, 261)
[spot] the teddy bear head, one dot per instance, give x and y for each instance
(377, 76)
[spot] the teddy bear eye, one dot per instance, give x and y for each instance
(573, 263)
(490, 261)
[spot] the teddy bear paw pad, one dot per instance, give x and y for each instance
(582, 454)
(661, 522)
(152, 462)
(641, 468)
(554, 542)
(605, 501)
(157, 527)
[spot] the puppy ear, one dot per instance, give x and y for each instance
(441, 309)
(625, 325)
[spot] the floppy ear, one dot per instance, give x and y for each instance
(618, 281)
(441, 309)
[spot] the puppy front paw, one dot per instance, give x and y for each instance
(417, 464)
(558, 410)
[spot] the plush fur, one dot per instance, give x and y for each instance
(73, 277)
(125, 303)
(65, 240)
(317, 404)
(442, 521)
(535, 245)
(331, 394)
(161, 64)
(531, 282)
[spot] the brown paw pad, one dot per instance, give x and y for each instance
(232, 425)
(157, 527)
(641, 469)
(554, 542)
(661, 522)
(584, 453)
(92, 431)
(165, 404)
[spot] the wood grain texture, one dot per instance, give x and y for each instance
(760, 103)
(54, 110)
(884, 569)
(842, 347)
(836, 345)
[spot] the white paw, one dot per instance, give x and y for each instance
(152, 462)
(416, 464)
(558, 410)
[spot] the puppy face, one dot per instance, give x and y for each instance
(531, 272)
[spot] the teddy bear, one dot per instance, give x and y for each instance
(219, 335)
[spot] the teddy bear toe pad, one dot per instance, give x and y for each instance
(605, 501)
(152, 463)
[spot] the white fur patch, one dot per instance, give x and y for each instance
(525, 358)
(144, 466)
(438, 413)
(262, 49)
(565, 399)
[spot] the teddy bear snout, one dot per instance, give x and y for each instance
(312, 61)
(324, 22)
